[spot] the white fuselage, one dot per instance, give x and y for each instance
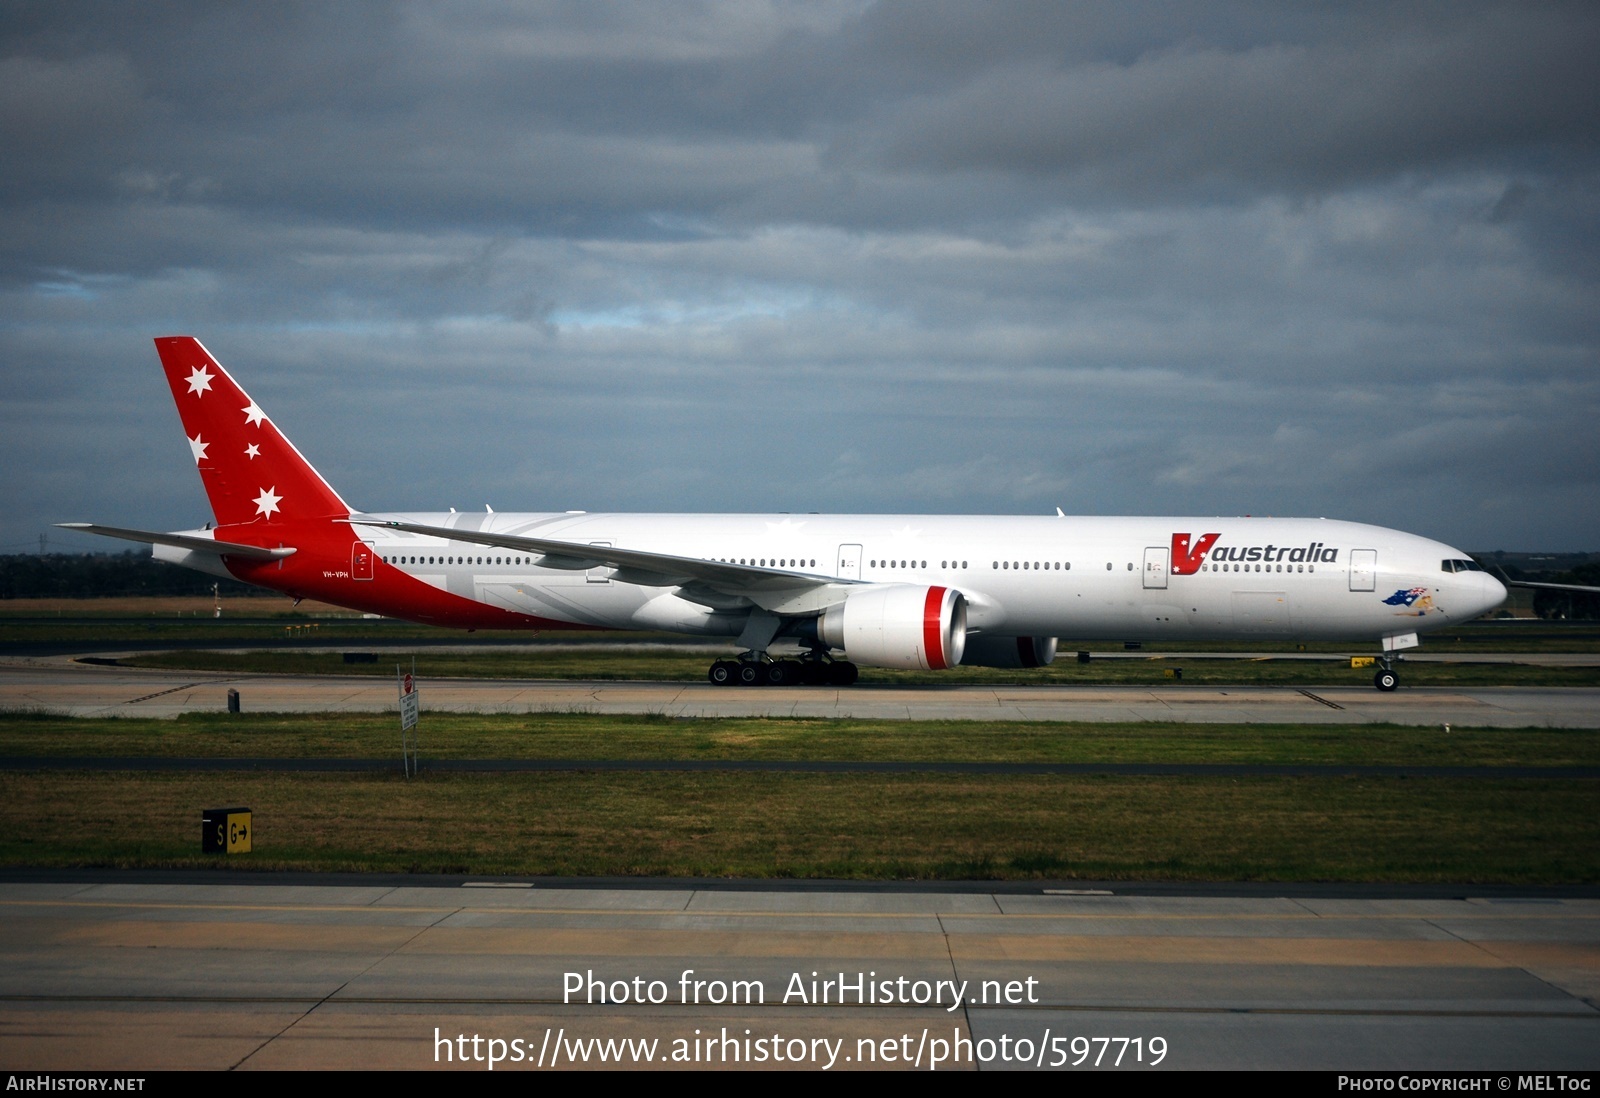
(1144, 579)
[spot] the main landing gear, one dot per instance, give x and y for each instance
(809, 670)
(1386, 679)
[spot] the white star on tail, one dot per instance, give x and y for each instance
(252, 451)
(199, 381)
(198, 445)
(267, 501)
(254, 415)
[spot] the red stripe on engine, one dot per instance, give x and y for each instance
(932, 633)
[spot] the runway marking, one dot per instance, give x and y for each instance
(1324, 701)
(383, 956)
(175, 689)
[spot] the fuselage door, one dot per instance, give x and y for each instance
(1363, 569)
(849, 562)
(1157, 558)
(361, 561)
(602, 574)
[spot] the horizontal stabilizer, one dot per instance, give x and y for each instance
(182, 541)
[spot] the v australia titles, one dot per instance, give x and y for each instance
(1188, 556)
(1316, 553)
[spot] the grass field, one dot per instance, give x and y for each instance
(903, 825)
(923, 825)
(597, 736)
(912, 826)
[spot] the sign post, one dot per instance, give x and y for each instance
(406, 682)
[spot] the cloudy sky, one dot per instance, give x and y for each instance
(1130, 258)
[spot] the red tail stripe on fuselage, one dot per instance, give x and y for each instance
(321, 569)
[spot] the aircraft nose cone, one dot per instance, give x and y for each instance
(1493, 592)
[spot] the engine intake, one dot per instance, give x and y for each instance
(899, 625)
(987, 651)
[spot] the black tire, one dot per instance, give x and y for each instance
(842, 673)
(721, 673)
(784, 673)
(1386, 680)
(814, 673)
(751, 674)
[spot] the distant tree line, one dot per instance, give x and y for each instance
(1582, 569)
(1569, 604)
(105, 575)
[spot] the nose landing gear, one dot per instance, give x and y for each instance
(1387, 678)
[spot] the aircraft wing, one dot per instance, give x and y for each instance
(770, 588)
(182, 541)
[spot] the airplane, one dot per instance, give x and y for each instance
(904, 591)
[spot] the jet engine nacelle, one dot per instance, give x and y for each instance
(987, 651)
(899, 625)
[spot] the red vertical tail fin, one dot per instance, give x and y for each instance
(251, 472)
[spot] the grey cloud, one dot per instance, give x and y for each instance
(1145, 257)
(1298, 118)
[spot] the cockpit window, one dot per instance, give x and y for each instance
(1461, 566)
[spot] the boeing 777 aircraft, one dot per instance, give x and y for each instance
(911, 591)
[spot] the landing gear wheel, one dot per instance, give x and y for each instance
(722, 673)
(783, 673)
(814, 672)
(842, 673)
(751, 673)
(1386, 680)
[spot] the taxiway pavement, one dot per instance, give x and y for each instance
(62, 685)
(108, 976)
